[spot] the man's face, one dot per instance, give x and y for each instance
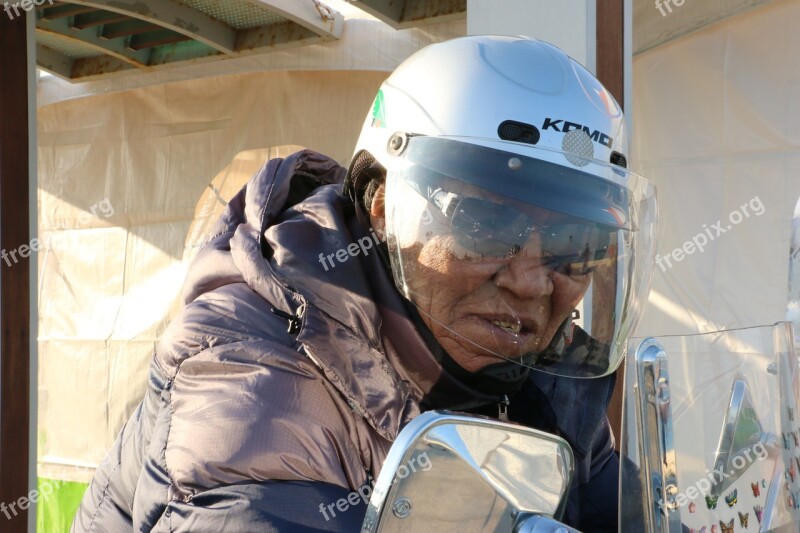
(480, 308)
(509, 307)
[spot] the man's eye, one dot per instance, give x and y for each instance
(573, 265)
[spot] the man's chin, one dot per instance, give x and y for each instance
(472, 357)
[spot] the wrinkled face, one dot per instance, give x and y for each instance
(512, 306)
(482, 308)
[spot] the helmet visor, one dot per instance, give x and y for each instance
(510, 255)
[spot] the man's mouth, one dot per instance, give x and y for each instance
(512, 327)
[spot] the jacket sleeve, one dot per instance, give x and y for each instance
(267, 507)
(107, 503)
(234, 413)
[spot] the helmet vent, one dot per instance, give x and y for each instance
(619, 160)
(578, 147)
(511, 130)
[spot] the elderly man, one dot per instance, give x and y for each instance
(487, 251)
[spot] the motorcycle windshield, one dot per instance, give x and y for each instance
(793, 305)
(711, 432)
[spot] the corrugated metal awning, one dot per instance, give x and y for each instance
(82, 40)
(401, 14)
(86, 39)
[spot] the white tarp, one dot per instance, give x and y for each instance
(717, 127)
(126, 186)
(144, 160)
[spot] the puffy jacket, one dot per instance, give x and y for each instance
(283, 382)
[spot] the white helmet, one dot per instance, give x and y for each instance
(511, 220)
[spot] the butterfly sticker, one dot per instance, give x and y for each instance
(786, 444)
(714, 528)
(711, 501)
(797, 500)
(756, 489)
(795, 437)
(759, 512)
(732, 498)
(692, 507)
(703, 529)
(743, 519)
(791, 471)
(791, 413)
(727, 528)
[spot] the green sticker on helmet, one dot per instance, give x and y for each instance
(378, 120)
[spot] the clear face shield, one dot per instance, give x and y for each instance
(512, 252)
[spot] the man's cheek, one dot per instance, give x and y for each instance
(567, 293)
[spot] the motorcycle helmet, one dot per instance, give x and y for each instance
(512, 222)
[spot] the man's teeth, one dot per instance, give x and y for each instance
(511, 327)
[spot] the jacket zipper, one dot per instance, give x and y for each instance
(502, 408)
(295, 320)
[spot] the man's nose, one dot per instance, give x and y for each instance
(526, 276)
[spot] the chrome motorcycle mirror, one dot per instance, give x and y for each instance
(453, 472)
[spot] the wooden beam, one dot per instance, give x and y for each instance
(611, 73)
(89, 37)
(64, 11)
(610, 47)
(15, 320)
(97, 18)
(177, 17)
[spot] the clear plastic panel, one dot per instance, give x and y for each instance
(793, 305)
(719, 412)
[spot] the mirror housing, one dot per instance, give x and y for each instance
(448, 472)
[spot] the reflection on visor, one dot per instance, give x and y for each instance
(510, 252)
(487, 230)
